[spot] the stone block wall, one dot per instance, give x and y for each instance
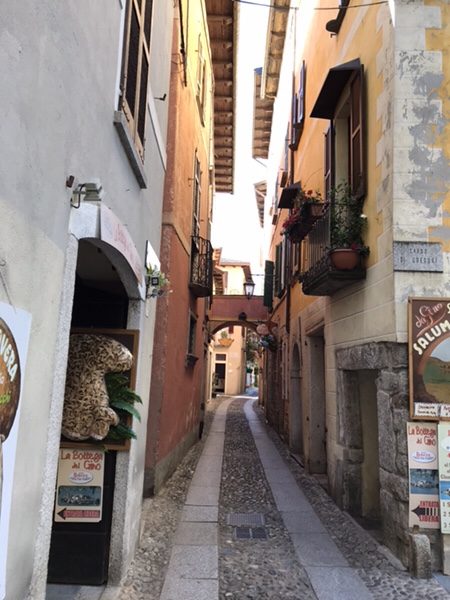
(390, 361)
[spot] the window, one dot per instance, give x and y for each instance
(221, 357)
(191, 336)
(268, 283)
(135, 69)
(341, 101)
(196, 197)
(298, 110)
(281, 267)
(201, 78)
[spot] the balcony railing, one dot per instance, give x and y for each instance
(201, 281)
(319, 276)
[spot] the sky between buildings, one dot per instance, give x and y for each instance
(236, 228)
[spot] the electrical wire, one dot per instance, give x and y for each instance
(288, 8)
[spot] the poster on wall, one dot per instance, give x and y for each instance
(429, 358)
(444, 474)
(423, 475)
(79, 488)
(14, 335)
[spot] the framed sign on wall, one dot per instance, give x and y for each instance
(429, 358)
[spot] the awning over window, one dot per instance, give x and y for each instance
(333, 86)
(287, 196)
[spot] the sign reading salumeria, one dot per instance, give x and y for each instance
(429, 358)
(423, 475)
(14, 334)
(79, 490)
(444, 474)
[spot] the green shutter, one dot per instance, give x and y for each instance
(268, 284)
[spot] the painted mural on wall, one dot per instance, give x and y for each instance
(14, 333)
(429, 357)
(87, 413)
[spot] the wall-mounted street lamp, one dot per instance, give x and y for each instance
(249, 288)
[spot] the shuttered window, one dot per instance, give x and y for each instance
(135, 69)
(268, 284)
(344, 140)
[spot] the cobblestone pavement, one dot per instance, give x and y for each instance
(266, 569)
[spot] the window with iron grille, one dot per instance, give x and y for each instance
(135, 69)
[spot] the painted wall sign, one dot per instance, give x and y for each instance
(14, 334)
(444, 475)
(429, 358)
(79, 489)
(114, 233)
(423, 475)
(418, 256)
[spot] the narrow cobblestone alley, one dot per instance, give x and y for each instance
(257, 543)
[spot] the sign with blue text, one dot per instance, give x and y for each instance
(423, 475)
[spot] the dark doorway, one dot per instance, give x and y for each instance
(219, 377)
(296, 407)
(317, 460)
(79, 552)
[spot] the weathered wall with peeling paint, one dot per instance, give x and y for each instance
(421, 149)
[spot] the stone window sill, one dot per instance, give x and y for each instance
(134, 159)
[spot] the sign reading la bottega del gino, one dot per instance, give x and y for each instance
(429, 358)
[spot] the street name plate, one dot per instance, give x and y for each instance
(418, 256)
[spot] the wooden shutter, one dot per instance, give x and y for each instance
(268, 284)
(329, 160)
(357, 175)
(135, 68)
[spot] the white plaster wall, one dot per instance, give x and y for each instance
(61, 63)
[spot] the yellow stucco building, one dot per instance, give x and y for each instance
(359, 157)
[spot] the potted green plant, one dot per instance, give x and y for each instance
(224, 340)
(347, 225)
(122, 399)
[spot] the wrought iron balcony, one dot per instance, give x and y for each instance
(201, 280)
(320, 277)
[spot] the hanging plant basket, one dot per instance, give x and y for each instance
(226, 342)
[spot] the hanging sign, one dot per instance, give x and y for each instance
(429, 358)
(423, 475)
(14, 334)
(444, 475)
(79, 489)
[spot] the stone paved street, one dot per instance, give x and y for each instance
(261, 545)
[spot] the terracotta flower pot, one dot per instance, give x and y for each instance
(344, 259)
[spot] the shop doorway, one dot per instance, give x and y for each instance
(296, 407)
(317, 460)
(370, 468)
(79, 550)
(219, 377)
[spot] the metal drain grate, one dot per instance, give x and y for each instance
(245, 519)
(250, 533)
(259, 533)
